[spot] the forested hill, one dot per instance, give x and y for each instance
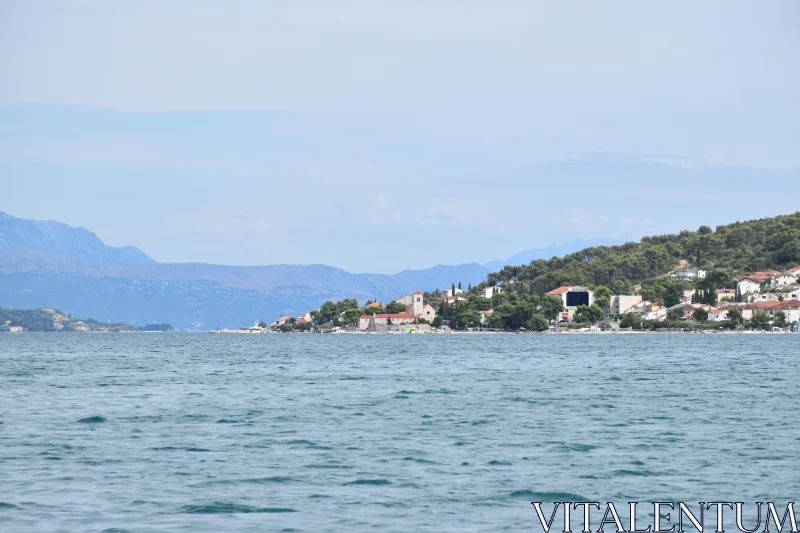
(742, 247)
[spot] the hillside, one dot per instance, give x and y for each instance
(195, 296)
(553, 250)
(743, 247)
(57, 238)
(46, 264)
(53, 320)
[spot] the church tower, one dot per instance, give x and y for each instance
(416, 303)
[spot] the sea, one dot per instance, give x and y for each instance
(391, 433)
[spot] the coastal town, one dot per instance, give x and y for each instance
(761, 301)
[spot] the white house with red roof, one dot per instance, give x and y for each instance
(795, 272)
(726, 294)
(415, 305)
(385, 319)
(749, 284)
(572, 296)
(449, 291)
(783, 280)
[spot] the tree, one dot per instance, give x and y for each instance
(673, 295)
(459, 285)
(262, 325)
(700, 315)
(735, 316)
(396, 307)
(779, 319)
(675, 314)
(602, 296)
(327, 312)
(351, 316)
(538, 323)
(760, 320)
(588, 313)
(552, 306)
(631, 320)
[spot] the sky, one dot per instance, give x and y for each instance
(379, 136)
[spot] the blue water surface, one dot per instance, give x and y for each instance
(390, 433)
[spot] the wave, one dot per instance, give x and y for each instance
(230, 508)
(92, 420)
(548, 496)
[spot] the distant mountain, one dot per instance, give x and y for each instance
(554, 250)
(194, 296)
(57, 238)
(49, 264)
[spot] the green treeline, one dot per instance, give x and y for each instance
(635, 267)
(46, 320)
(742, 247)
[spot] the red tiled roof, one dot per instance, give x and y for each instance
(767, 273)
(561, 290)
(769, 304)
(756, 278)
(726, 291)
(795, 269)
(390, 315)
(416, 292)
(375, 304)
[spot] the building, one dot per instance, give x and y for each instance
(305, 317)
(572, 297)
(449, 291)
(374, 304)
(795, 272)
(405, 299)
(385, 319)
(783, 280)
(415, 305)
(489, 292)
(16, 329)
(748, 285)
(428, 313)
(726, 294)
(688, 274)
(619, 305)
(282, 320)
(486, 316)
(790, 308)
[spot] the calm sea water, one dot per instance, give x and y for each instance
(343, 433)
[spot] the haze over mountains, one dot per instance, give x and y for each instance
(50, 264)
(57, 238)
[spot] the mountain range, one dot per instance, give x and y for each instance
(50, 264)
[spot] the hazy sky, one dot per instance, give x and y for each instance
(380, 136)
